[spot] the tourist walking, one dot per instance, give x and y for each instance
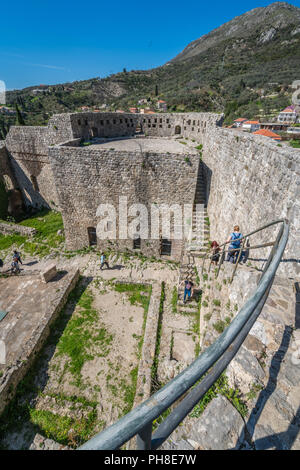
(188, 290)
(235, 243)
(17, 256)
(103, 262)
(215, 247)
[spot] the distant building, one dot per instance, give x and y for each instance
(289, 114)
(162, 105)
(133, 110)
(120, 111)
(293, 130)
(274, 126)
(6, 110)
(267, 133)
(239, 122)
(85, 108)
(143, 101)
(251, 126)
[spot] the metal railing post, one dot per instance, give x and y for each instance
(144, 437)
(221, 261)
(238, 260)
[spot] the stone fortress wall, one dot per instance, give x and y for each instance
(251, 180)
(191, 125)
(102, 176)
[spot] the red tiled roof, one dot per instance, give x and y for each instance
(267, 133)
(289, 109)
(251, 122)
(240, 120)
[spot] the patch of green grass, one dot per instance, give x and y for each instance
(174, 299)
(47, 223)
(58, 427)
(219, 326)
(220, 387)
(135, 295)
(295, 144)
(217, 302)
(129, 390)
(154, 367)
(6, 241)
(253, 391)
(197, 278)
(81, 338)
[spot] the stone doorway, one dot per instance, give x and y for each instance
(166, 247)
(92, 236)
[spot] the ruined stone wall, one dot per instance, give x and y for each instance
(251, 181)
(28, 150)
(90, 125)
(101, 176)
(15, 372)
(191, 125)
(5, 168)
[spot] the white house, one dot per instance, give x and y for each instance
(161, 105)
(289, 114)
(251, 126)
(239, 122)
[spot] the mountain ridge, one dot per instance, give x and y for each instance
(262, 12)
(244, 67)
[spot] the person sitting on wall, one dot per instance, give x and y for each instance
(235, 243)
(103, 261)
(188, 290)
(215, 247)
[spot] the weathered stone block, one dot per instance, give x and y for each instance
(49, 273)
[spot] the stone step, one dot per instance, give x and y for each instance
(191, 304)
(199, 254)
(187, 311)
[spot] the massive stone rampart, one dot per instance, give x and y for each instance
(251, 181)
(102, 176)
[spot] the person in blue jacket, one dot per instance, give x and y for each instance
(235, 243)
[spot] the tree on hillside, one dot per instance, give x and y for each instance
(3, 131)
(19, 119)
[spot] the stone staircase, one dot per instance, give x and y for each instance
(199, 242)
(187, 271)
(195, 248)
(266, 371)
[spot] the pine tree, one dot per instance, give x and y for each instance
(19, 119)
(2, 131)
(156, 90)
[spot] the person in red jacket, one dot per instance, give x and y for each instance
(215, 247)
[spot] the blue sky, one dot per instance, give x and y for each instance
(59, 41)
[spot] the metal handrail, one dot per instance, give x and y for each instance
(217, 356)
(243, 239)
